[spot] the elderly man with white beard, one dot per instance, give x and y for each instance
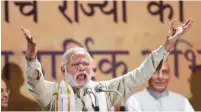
(70, 95)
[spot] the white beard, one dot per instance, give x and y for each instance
(72, 79)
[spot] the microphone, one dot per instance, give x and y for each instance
(89, 91)
(100, 88)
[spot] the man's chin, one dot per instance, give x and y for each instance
(160, 89)
(81, 84)
(4, 105)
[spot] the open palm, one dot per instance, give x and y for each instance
(175, 33)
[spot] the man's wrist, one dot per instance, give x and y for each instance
(30, 59)
(167, 47)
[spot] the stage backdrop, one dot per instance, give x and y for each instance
(119, 35)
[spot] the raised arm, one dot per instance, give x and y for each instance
(40, 88)
(128, 83)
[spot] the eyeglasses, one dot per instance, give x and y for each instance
(5, 91)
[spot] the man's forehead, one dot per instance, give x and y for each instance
(3, 84)
(78, 55)
(165, 66)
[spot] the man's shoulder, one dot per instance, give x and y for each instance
(140, 94)
(94, 82)
(176, 95)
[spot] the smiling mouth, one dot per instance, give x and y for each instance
(4, 102)
(159, 83)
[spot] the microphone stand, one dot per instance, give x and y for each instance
(99, 88)
(122, 107)
(96, 107)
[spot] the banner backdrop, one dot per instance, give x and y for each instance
(119, 35)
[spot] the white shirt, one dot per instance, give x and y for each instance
(127, 84)
(149, 100)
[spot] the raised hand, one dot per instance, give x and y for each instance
(175, 33)
(31, 45)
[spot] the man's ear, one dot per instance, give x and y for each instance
(62, 70)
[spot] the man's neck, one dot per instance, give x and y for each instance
(157, 94)
(157, 91)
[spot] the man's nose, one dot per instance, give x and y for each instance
(160, 75)
(5, 94)
(81, 67)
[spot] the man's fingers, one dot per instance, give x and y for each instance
(27, 34)
(31, 43)
(187, 23)
(174, 31)
(173, 24)
(34, 44)
(32, 47)
(23, 30)
(187, 27)
(190, 23)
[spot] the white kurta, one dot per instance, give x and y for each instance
(127, 84)
(149, 100)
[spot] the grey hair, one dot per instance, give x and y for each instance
(71, 50)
